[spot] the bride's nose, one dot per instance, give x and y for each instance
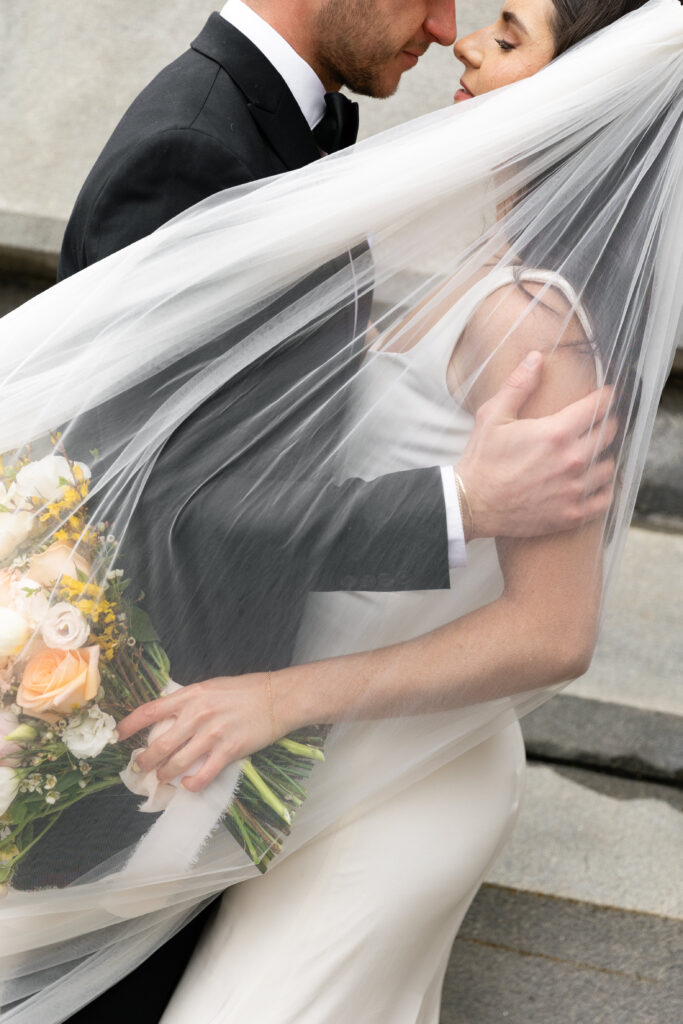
(440, 22)
(468, 50)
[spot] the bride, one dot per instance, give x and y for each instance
(581, 263)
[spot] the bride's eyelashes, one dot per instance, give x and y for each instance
(505, 46)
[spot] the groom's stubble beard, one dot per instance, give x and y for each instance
(353, 48)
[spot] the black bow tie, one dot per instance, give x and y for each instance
(339, 126)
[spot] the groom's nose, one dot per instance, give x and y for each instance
(440, 22)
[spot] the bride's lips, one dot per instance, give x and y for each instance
(463, 93)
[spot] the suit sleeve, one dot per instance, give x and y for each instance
(156, 180)
(387, 534)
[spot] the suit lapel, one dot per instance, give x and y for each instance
(268, 97)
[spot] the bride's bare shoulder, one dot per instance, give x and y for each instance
(514, 319)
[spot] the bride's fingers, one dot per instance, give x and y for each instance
(215, 763)
(165, 746)
(151, 713)
(196, 749)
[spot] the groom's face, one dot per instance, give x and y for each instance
(368, 44)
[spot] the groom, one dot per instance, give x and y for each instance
(257, 94)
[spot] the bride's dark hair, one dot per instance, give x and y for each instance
(573, 20)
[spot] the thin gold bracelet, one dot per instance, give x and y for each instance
(271, 711)
(463, 494)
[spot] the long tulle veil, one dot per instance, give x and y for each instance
(577, 172)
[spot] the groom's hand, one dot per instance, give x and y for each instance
(530, 477)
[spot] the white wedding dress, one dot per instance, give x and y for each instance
(358, 924)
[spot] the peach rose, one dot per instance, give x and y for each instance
(58, 560)
(59, 681)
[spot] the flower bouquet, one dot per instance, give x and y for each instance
(77, 654)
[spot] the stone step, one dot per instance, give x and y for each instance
(607, 737)
(580, 921)
(587, 836)
(640, 652)
(528, 958)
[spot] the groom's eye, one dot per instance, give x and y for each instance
(504, 45)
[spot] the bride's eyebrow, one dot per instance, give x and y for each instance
(511, 19)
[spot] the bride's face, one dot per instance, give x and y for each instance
(515, 46)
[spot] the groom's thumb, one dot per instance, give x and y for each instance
(519, 386)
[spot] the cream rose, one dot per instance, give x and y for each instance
(9, 784)
(42, 479)
(14, 632)
(89, 733)
(58, 560)
(59, 681)
(64, 628)
(15, 528)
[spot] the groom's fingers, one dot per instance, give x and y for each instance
(600, 475)
(585, 416)
(516, 390)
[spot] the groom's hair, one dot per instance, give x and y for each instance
(574, 20)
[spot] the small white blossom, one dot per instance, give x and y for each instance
(50, 781)
(89, 732)
(52, 798)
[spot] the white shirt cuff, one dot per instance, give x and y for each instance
(457, 549)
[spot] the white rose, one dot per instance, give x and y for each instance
(14, 632)
(89, 732)
(64, 628)
(15, 528)
(9, 784)
(41, 479)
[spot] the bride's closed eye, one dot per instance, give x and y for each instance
(505, 46)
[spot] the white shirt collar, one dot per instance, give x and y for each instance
(303, 83)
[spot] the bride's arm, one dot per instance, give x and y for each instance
(540, 631)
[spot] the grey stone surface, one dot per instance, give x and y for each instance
(525, 958)
(606, 736)
(661, 492)
(595, 838)
(640, 653)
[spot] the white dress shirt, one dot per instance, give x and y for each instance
(309, 93)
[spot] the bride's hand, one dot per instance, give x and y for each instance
(217, 721)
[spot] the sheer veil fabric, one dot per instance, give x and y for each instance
(160, 366)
